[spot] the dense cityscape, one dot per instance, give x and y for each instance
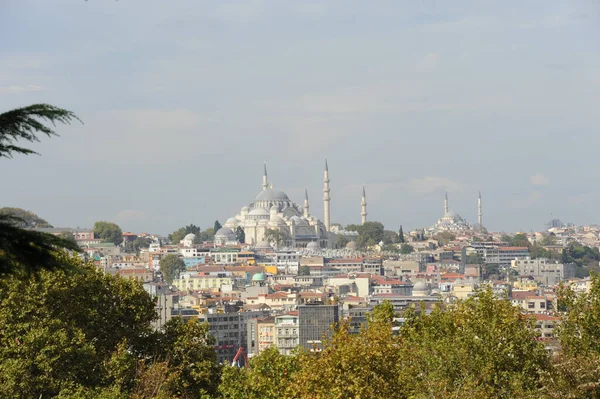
(257, 199)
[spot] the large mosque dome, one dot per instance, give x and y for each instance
(272, 194)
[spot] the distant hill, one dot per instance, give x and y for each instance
(30, 219)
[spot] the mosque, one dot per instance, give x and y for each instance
(272, 209)
(454, 223)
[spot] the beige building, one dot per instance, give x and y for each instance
(197, 281)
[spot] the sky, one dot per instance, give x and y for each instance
(182, 102)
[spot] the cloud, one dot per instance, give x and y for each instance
(539, 180)
(20, 89)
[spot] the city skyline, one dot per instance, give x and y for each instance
(182, 106)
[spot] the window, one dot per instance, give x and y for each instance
(531, 305)
(542, 305)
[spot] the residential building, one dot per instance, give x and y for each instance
(545, 271)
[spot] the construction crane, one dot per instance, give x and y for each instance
(239, 353)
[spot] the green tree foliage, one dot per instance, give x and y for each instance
(475, 259)
(383, 313)
(24, 124)
(60, 329)
(369, 233)
(401, 238)
(390, 237)
(22, 250)
(304, 270)
(270, 374)
(482, 344)
(188, 349)
(445, 237)
(406, 249)
(179, 234)
(171, 266)
(109, 232)
(217, 226)
(390, 248)
(207, 235)
(28, 218)
(83, 334)
(27, 251)
(240, 234)
(275, 236)
(137, 244)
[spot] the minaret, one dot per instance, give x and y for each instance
(479, 214)
(326, 196)
(446, 209)
(363, 207)
(305, 203)
(265, 182)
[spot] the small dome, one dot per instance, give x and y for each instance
(351, 245)
(420, 286)
(189, 237)
(313, 245)
(272, 194)
(258, 212)
(245, 209)
(258, 277)
(224, 232)
(232, 221)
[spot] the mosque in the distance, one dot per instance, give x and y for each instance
(272, 209)
(454, 223)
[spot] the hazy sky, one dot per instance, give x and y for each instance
(183, 101)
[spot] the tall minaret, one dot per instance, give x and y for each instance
(446, 209)
(265, 182)
(305, 203)
(326, 196)
(479, 214)
(363, 207)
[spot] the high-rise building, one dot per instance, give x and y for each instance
(316, 322)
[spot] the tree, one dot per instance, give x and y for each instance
(475, 259)
(268, 377)
(171, 266)
(383, 313)
(137, 244)
(29, 219)
(67, 235)
(217, 226)
(304, 270)
(188, 348)
(401, 238)
(240, 234)
(445, 237)
(390, 248)
(482, 344)
(109, 232)
(369, 233)
(27, 251)
(180, 233)
(406, 249)
(24, 124)
(520, 240)
(207, 235)
(22, 250)
(275, 236)
(61, 329)
(390, 237)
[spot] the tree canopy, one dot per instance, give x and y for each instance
(28, 218)
(109, 232)
(171, 266)
(24, 250)
(83, 334)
